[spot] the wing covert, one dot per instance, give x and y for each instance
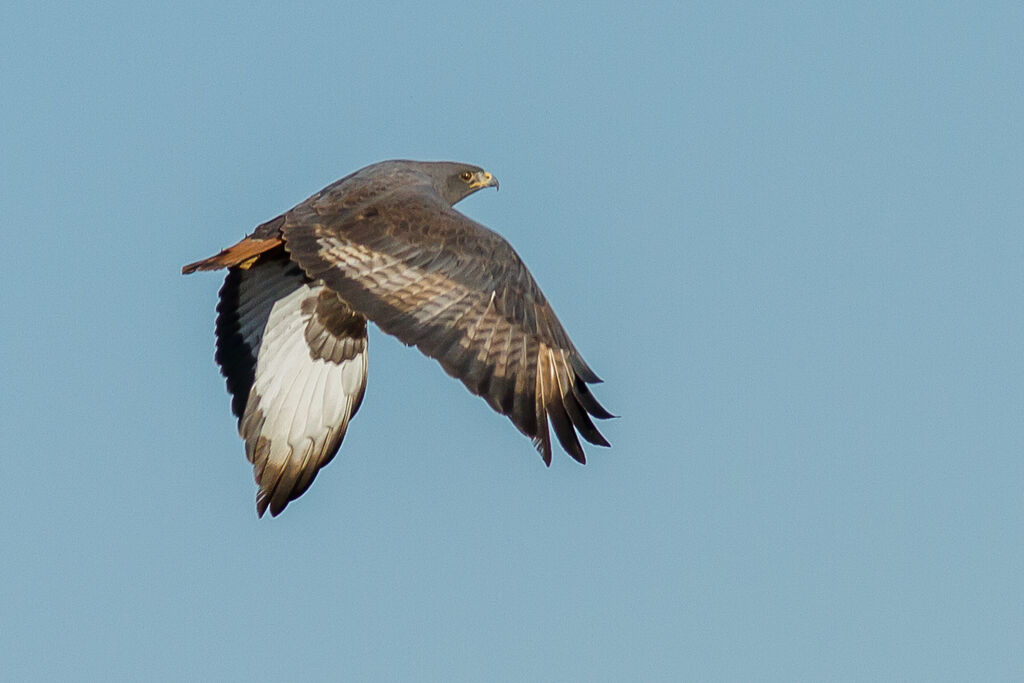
(435, 279)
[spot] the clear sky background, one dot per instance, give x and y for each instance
(789, 238)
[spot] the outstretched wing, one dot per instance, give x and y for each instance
(294, 355)
(432, 277)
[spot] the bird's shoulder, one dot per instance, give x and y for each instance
(399, 218)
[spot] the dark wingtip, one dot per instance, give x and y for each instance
(543, 447)
(262, 506)
(565, 431)
(581, 368)
(590, 403)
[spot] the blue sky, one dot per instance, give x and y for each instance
(788, 237)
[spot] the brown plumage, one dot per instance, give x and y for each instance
(385, 244)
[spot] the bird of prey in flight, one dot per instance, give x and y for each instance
(384, 244)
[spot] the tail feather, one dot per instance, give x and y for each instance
(237, 255)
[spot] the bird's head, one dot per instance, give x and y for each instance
(457, 181)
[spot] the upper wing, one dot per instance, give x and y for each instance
(294, 355)
(432, 277)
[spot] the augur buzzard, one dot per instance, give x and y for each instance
(384, 244)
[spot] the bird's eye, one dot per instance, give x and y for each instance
(466, 175)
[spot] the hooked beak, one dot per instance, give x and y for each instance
(483, 179)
